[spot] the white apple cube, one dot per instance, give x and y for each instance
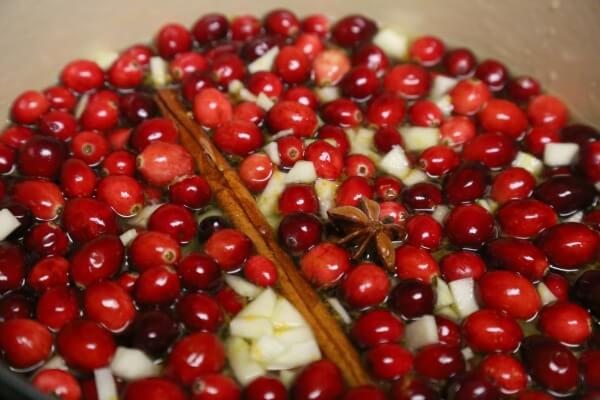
(235, 86)
(395, 163)
(242, 287)
(393, 43)
(159, 71)
(419, 138)
(421, 332)
(266, 349)
(441, 86)
(56, 362)
(140, 220)
(8, 223)
(529, 162)
(106, 388)
(285, 315)
(326, 94)
(302, 172)
(448, 312)
(105, 58)
(415, 176)
(250, 328)
(244, 368)
(264, 62)
(546, 294)
(577, 217)
(440, 213)
(489, 204)
(264, 102)
(443, 295)
(268, 199)
(340, 310)
(294, 335)
(325, 190)
(132, 364)
(444, 103)
(463, 291)
(560, 154)
(81, 105)
(247, 95)
(128, 236)
(288, 377)
(261, 307)
(296, 356)
(272, 151)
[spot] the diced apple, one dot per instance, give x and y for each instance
(264, 62)
(419, 138)
(264, 102)
(235, 86)
(448, 312)
(159, 71)
(340, 310)
(296, 356)
(577, 217)
(489, 204)
(81, 105)
(443, 295)
(395, 163)
(440, 213)
(128, 236)
(247, 95)
(546, 294)
(250, 327)
(415, 176)
(463, 291)
(56, 362)
(444, 103)
(288, 377)
(529, 162)
(8, 223)
(394, 44)
(325, 190)
(441, 86)
(294, 335)
(560, 154)
(244, 368)
(280, 134)
(267, 201)
(106, 388)
(141, 219)
(361, 142)
(421, 332)
(242, 287)
(261, 307)
(302, 172)
(272, 150)
(327, 93)
(285, 315)
(467, 353)
(266, 349)
(131, 364)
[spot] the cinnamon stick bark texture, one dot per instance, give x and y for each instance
(236, 201)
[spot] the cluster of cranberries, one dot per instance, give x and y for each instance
(82, 160)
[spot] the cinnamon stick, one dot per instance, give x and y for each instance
(239, 204)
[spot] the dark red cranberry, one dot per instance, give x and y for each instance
(422, 196)
(377, 327)
(360, 83)
(15, 305)
(566, 194)
(353, 30)
(86, 218)
(281, 22)
(244, 27)
(58, 124)
(199, 311)
(210, 225)
(411, 299)
(209, 28)
(424, 231)
(386, 138)
(57, 307)
(518, 255)
(493, 73)
(425, 113)
(300, 231)
(585, 291)
(137, 107)
(494, 150)
(470, 226)
(460, 62)
(12, 265)
(154, 332)
(226, 68)
(386, 110)
(257, 47)
(523, 88)
(473, 386)
(412, 388)
(41, 156)
(371, 56)
(154, 389)
(49, 272)
(265, 388)
(77, 179)
(195, 355)
(438, 361)
(466, 183)
(25, 343)
(570, 245)
(525, 218)
(389, 361)
(23, 215)
(320, 380)
(173, 39)
(580, 134)
(193, 84)
(157, 285)
(448, 331)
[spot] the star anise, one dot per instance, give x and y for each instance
(362, 227)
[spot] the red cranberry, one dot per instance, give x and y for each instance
(503, 116)
(566, 322)
(389, 361)
(29, 107)
(281, 22)
(387, 188)
(550, 363)
(173, 39)
(259, 46)
(199, 311)
(244, 27)
(209, 28)
(229, 248)
(174, 220)
(469, 226)
(161, 163)
(16, 136)
(141, 52)
(460, 62)
(138, 107)
(523, 88)
(265, 388)
(194, 84)
(77, 179)
(84, 345)
(509, 292)
(548, 111)
(101, 112)
(151, 130)
(265, 82)
(12, 265)
(49, 272)
(57, 307)
(41, 156)
(408, 80)
(109, 305)
(85, 218)
(249, 111)
(425, 113)
(310, 44)
(215, 387)
(422, 196)
(415, 263)
(292, 65)
(457, 130)
(505, 371)
(23, 215)
(411, 299)
(493, 73)
(427, 50)
(302, 95)
(256, 171)
(411, 388)
(192, 192)
(438, 361)
(511, 184)
(525, 218)
(342, 112)
(337, 135)
(494, 150)
(566, 194)
(327, 159)
(424, 231)
(157, 285)
(469, 97)
(260, 271)
(588, 363)
(195, 355)
(537, 137)
(590, 161)
(120, 162)
(392, 212)
(330, 66)
(473, 386)
(126, 72)
(230, 301)
(291, 149)
(570, 245)
(360, 83)
(438, 160)
(198, 271)
(359, 165)
(42, 198)
(371, 56)
(518, 255)
(298, 198)
(212, 108)
(154, 332)
(154, 389)
(377, 327)
(490, 330)
(98, 259)
(119, 138)
(60, 98)
(90, 147)
(462, 264)
(353, 30)
(558, 285)
(352, 191)
(238, 137)
(24, 342)
(386, 109)
(82, 76)
(227, 68)
(325, 264)
(386, 138)
(151, 249)
(448, 331)
(320, 380)
(365, 285)
(466, 183)
(58, 124)
(298, 118)
(317, 24)
(58, 383)
(123, 193)
(13, 306)
(299, 232)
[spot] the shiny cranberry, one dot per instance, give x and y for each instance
(523, 88)
(365, 285)
(509, 292)
(157, 285)
(29, 107)
(325, 264)
(525, 218)
(493, 73)
(469, 226)
(558, 285)
(16, 136)
(49, 272)
(227, 68)
(260, 271)
(118, 139)
(353, 30)
(125, 72)
(460, 62)
(466, 183)
(194, 84)
(548, 111)
(195, 355)
(82, 76)
(407, 80)
(320, 380)
(490, 330)
(24, 342)
(457, 129)
(352, 191)
(330, 66)
(360, 83)
(298, 198)
(249, 111)
(244, 27)
(265, 82)
(210, 225)
(338, 137)
(58, 124)
(89, 146)
(120, 162)
(327, 159)
(192, 192)
(101, 112)
(469, 97)
(473, 386)
(427, 50)
(13, 306)
(422, 196)
(292, 65)
(212, 108)
(550, 363)
(154, 332)
(198, 311)
(359, 165)
(256, 171)
(518, 255)
(580, 134)
(438, 361)
(462, 264)
(85, 218)
(154, 389)
(229, 248)
(137, 107)
(141, 52)
(424, 231)
(389, 361)
(317, 24)
(238, 137)
(84, 345)
(392, 212)
(585, 291)
(215, 387)
(41, 156)
(494, 150)
(511, 184)
(300, 119)
(342, 112)
(173, 39)
(300, 231)
(57, 307)
(209, 28)
(302, 95)
(425, 113)
(77, 179)
(415, 263)
(566, 194)
(537, 137)
(291, 149)
(503, 116)
(377, 327)
(198, 271)
(150, 249)
(98, 259)
(505, 371)
(60, 98)
(122, 193)
(386, 110)
(58, 383)
(438, 160)
(566, 322)
(371, 56)
(281, 22)
(265, 388)
(174, 220)
(448, 331)
(386, 138)
(590, 161)
(387, 188)
(109, 305)
(151, 130)
(161, 163)
(570, 245)
(259, 46)
(411, 299)
(42, 198)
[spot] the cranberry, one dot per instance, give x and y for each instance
(97, 259)
(298, 198)
(292, 65)
(580, 134)
(281, 22)
(456, 130)
(256, 171)
(16, 136)
(566, 322)
(462, 264)
(24, 342)
(438, 160)
(84, 345)
(550, 363)
(438, 361)
(215, 386)
(570, 245)
(198, 311)
(210, 225)
(548, 111)
(249, 111)
(353, 30)
(259, 46)
(469, 97)
(29, 107)
(566, 194)
(290, 149)
(151, 130)
(537, 137)
(299, 232)
(85, 219)
(151, 249)
(512, 183)
(48, 272)
(590, 161)
(244, 27)
(209, 28)
(101, 112)
(505, 371)
(327, 159)
(123, 193)
(503, 116)
(365, 285)
(41, 156)
(427, 50)
(192, 192)
(265, 388)
(460, 62)
(265, 82)
(57, 307)
(13, 306)
(509, 292)
(198, 271)
(392, 212)
(525, 218)
(120, 162)
(154, 389)
(466, 183)
(493, 73)
(227, 68)
(310, 44)
(157, 285)
(320, 380)
(138, 107)
(518, 255)
(422, 196)
(77, 179)
(160, 163)
(302, 95)
(411, 388)
(337, 135)
(317, 24)
(359, 165)
(60, 98)
(415, 263)
(385, 110)
(194, 84)
(387, 188)
(238, 137)
(90, 147)
(494, 150)
(82, 76)
(386, 138)
(377, 327)
(585, 291)
(58, 383)
(342, 112)
(360, 83)
(125, 72)
(523, 88)
(12, 267)
(127, 281)
(352, 191)
(141, 52)
(153, 332)
(298, 118)
(325, 264)
(58, 124)
(260, 271)
(173, 39)
(469, 226)
(212, 108)
(558, 285)
(109, 305)
(425, 113)
(490, 330)
(473, 386)
(174, 220)
(389, 361)
(42, 198)
(195, 355)
(229, 247)
(330, 66)
(119, 138)
(411, 299)
(448, 331)
(408, 80)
